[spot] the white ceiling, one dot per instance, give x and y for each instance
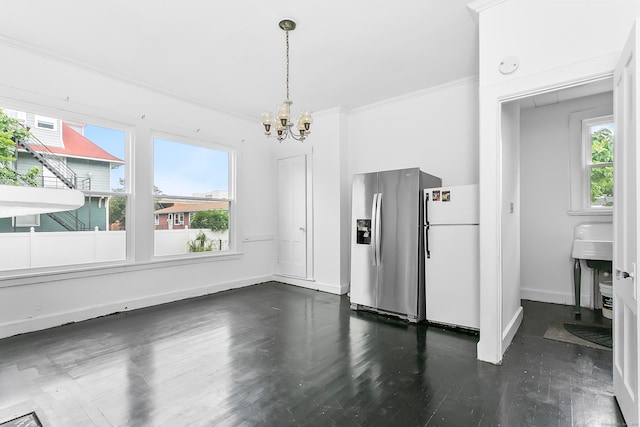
(230, 55)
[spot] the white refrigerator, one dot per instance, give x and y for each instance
(452, 264)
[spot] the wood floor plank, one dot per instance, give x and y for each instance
(274, 354)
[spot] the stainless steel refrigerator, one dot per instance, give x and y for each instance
(387, 247)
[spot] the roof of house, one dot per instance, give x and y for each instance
(193, 207)
(76, 145)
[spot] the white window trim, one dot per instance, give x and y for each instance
(235, 228)
(178, 218)
(156, 219)
(45, 119)
(27, 221)
(578, 156)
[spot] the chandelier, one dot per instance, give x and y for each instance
(282, 121)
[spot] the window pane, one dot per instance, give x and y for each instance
(601, 186)
(187, 226)
(189, 170)
(84, 235)
(65, 155)
(601, 143)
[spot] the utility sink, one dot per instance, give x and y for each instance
(593, 241)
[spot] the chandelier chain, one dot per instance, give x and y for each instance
(287, 38)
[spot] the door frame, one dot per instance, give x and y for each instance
(307, 152)
(496, 333)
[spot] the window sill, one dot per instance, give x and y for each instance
(591, 212)
(28, 277)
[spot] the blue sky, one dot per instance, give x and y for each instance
(112, 141)
(183, 169)
(179, 169)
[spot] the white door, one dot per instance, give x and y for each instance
(292, 216)
(625, 220)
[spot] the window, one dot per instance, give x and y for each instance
(95, 165)
(591, 161)
(195, 179)
(178, 219)
(48, 123)
(27, 221)
(156, 219)
(20, 116)
(598, 148)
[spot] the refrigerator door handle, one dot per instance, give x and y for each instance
(374, 223)
(426, 226)
(426, 240)
(379, 230)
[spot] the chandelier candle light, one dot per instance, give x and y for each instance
(282, 121)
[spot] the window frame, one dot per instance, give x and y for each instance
(233, 230)
(178, 218)
(588, 164)
(580, 160)
(53, 115)
(46, 119)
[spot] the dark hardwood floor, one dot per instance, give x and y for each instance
(277, 355)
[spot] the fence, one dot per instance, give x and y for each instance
(47, 249)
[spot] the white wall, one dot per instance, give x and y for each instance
(53, 87)
(547, 227)
(549, 34)
(556, 45)
(435, 130)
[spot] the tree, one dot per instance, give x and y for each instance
(214, 220)
(602, 176)
(118, 206)
(12, 132)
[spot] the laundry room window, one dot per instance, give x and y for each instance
(591, 144)
(598, 145)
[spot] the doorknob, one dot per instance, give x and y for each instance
(301, 229)
(622, 274)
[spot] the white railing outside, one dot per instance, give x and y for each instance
(48, 249)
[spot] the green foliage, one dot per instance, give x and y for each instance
(11, 132)
(602, 176)
(118, 206)
(201, 243)
(214, 220)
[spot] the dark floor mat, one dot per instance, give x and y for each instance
(595, 334)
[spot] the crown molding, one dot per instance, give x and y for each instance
(448, 85)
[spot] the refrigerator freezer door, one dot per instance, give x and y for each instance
(452, 284)
(364, 271)
(401, 227)
(453, 205)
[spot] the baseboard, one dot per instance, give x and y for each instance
(565, 298)
(44, 322)
(312, 284)
(511, 329)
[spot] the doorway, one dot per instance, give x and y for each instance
(294, 224)
(552, 192)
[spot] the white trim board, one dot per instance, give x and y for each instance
(312, 284)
